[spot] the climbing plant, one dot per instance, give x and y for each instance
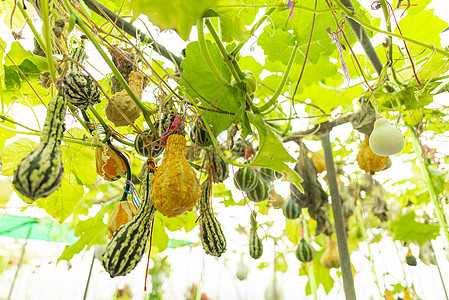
(151, 135)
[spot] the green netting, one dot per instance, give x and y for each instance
(36, 229)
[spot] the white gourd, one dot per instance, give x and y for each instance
(386, 139)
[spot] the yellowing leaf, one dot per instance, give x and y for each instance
(13, 154)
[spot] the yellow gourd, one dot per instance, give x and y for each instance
(176, 189)
(331, 258)
(319, 162)
(109, 164)
(388, 295)
(123, 212)
(369, 161)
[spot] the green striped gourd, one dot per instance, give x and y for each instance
(199, 135)
(290, 209)
(255, 243)
(143, 146)
(269, 174)
(260, 192)
(125, 249)
(79, 88)
(245, 179)
(40, 173)
(304, 252)
(212, 237)
(220, 171)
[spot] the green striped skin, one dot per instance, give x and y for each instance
(40, 173)
(221, 171)
(246, 179)
(79, 88)
(304, 252)
(143, 148)
(127, 246)
(291, 210)
(199, 135)
(212, 237)
(255, 243)
(269, 174)
(260, 192)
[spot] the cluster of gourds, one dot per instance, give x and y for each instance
(256, 182)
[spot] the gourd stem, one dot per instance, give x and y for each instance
(343, 251)
(252, 30)
(206, 54)
(228, 61)
(274, 98)
(37, 36)
(427, 179)
(353, 16)
(47, 36)
(114, 69)
(309, 267)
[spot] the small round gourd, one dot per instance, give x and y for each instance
(290, 209)
(176, 188)
(200, 136)
(260, 192)
(386, 139)
(331, 258)
(369, 161)
(245, 179)
(304, 252)
(269, 174)
(143, 147)
(410, 259)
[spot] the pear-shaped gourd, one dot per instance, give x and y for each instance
(331, 258)
(176, 189)
(386, 139)
(242, 271)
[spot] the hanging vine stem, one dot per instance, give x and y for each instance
(343, 251)
(206, 54)
(425, 173)
(365, 236)
(47, 36)
(114, 69)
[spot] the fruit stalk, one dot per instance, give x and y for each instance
(425, 173)
(348, 280)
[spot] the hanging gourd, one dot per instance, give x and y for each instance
(176, 189)
(211, 234)
(269, 174)
(410, 259)
(386, 139)
(79, 88)
(255, 243)
(123, 212)
(40, 173)
(110, 164)
(220, 167)
(304, 252)
(291, 210)
(122, 110)
(125, 249)
(199, 135)
(331, 258)
(143, 144)
(260, 192)
(319, 162)
(245, 179)
(369, 161)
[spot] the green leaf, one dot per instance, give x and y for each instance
(221, 104)
(159, 236)
(18, 55)
(405, 228)
(186, 221)
(272, 153)
(293, 231)
(14, 153)
(92, 231)
(80, 160)
(413, 26)
(179, 15)
(232, 25)
(5, 133)
(437, 176)
(5, 192)
(60, 204)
